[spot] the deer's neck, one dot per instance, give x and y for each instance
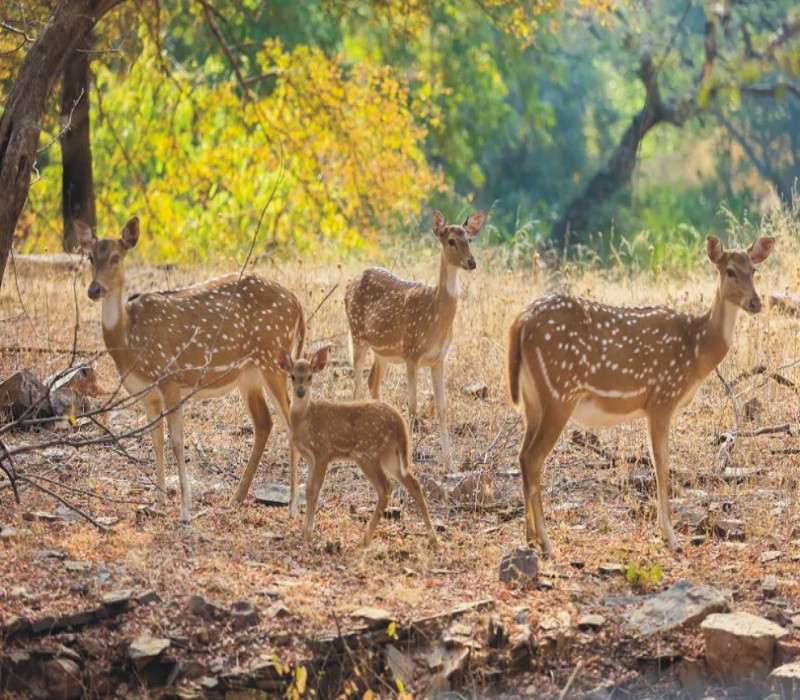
(115, 330)
(298, 411)
(447, 289)
(716, 333)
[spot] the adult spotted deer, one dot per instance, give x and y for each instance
(604, 365)
(205, 340)
(411, 323)
(370, 433)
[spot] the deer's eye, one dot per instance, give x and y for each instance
(451, 242)
(731, 273)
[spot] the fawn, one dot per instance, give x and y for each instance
(204, 340)
(411, 323)
(605, 365)
(370, 433)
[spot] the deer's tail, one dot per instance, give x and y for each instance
(514, 359)
(404, 449)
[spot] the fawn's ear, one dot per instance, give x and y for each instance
(85, 235)
(474, 223)
(438, 223)
(715, 249)
(319, 360)
(760, 249)
(130, 234)
(284, 360)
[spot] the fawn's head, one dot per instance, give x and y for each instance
(302, 371)
(455, 239)
(106, 256)
(736, 269)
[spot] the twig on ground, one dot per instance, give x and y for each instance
(63, 501)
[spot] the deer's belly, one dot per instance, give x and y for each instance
(591, 414)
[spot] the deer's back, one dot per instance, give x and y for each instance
(359, 431)
(575, 345)
(217, 324)
(382, 308)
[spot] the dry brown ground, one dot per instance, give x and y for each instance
(595, 512)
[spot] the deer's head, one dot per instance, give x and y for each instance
(302, 371)
(455, 239)
(736, 270)
(106, 256)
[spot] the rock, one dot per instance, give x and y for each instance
(400, 665)
(682, 604)
(693, 676)
(145, 648)
(786, 679)
(63, 678)
(209, 682)
(476, 391)
(474, 489)
(81, 566)
(120, 598)
(519, 564)
(147, 598)
(737, 475)
(447, 662)
(769, 586)
(739, 645)
(374, 617)
(787, 650)
(496, 637)
(22, 394)
(277, 495)
(698, 540)
(243, 615)
(40, 515)
(730, 529)
(690, 517)
(8, 532)
(591, 622)
(611, 569)
(770, 555)
(49, 554)
(197, 605)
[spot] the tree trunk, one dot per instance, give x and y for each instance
(20, 124)
(77, 189)
(582, 212)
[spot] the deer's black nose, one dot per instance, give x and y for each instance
(471, 264)
(755, 305)
(300, 393)
(95, 291)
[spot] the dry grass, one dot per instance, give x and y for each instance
(594, 514)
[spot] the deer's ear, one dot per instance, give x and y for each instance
(130, 234)
(474, 223)
(319, 360)
(438, 223)
(284, 360)
(760, 249)
(715, 249)
(85, 235)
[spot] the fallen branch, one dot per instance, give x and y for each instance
(28, 480)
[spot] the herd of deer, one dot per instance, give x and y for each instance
(567, 358)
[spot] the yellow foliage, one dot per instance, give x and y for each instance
(340, 144)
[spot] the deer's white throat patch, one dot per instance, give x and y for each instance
(451, 281)
(112, 311)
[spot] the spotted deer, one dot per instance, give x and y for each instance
(370, 433)
(604, 365)
(201, 341)
(411, 323)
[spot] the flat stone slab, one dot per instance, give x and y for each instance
(278, 495)
(520, 565)
(683, 603)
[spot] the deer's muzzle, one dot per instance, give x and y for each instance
(95, 290)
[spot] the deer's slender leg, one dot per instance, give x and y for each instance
(411, 378)
(359, 362)
(438, 377)
(535, 448)
(316, 477)
(277, 384)
(376, 375)
(383, 489)
(172, 398)
(415, 491)
(152, 408)
(659, 452)
(262, 426)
